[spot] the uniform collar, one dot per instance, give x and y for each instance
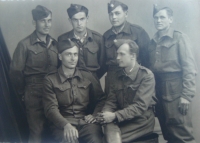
(169, 33)
(63, 78)
(89, 35)
(34, 39)
(133, 73)
(125, 29)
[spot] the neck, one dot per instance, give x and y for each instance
(117, 28)
(67, 71)
(42, 37)
(80, 34)
(163, 32)
(129, 68)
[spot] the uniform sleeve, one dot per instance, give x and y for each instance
(50, 104)
(17, 68)
(111, 102)
(188, 67)
(101, 58)
(143, 42)
(141, 101)
(97, 96)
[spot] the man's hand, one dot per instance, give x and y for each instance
(90, 119)
(106, 117)
(70, 133)
(183, 106)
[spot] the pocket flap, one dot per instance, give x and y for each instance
(84, 84)
(92, 47)
(36, 50)
(63, 87)
(109, 44)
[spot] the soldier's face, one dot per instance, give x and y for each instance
(69, 57)
(79, 21)
(43, 26)
(162, 21)
(117, 16)
(124, 58)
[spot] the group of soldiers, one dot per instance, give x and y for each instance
(59, 81)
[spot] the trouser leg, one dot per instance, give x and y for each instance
(179, 126)
(35, 113)
(112, 133)
(90, 133)
(140, 126)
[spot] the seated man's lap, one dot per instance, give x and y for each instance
(87, 133)
(132, 129)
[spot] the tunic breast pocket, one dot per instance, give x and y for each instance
(82, 92)
(169, 53)
(110, 50)
(91, 54)
(63, 94)
(36, 57)
(53, 56)
(132, 89)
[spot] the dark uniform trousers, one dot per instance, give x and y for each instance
(132, 129)
(88, 133)
(34, 108)
(176, 128)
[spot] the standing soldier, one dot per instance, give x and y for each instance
(34, 57)
(121, 29)
(89, 42)
(174, 68)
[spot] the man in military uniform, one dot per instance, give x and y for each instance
(122, 29)
(89, 42)
(34, 57)
(128, 110)
(70, 96)
(174, 68)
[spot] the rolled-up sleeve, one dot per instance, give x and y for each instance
(50, 104)
(188, 67)
(141, 101)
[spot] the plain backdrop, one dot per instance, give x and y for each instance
(16, 24)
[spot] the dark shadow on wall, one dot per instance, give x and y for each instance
(13, 124)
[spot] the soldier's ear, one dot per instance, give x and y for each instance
(171, 19)
(70, 20)
(60, 57)
(126, 13)
(34, 23)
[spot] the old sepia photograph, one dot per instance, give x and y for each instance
(99, 71)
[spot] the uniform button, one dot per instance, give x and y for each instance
(49, 64)
(157, 52)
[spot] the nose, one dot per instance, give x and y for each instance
(158, 20)
(72, 57)
(47, 24)
(79, 22)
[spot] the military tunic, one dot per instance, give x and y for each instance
(132, 98)
(32, 60)
(91, 51)
(132, 32)
(69, 99)
(172, 62)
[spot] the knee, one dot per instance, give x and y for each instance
(112, 133)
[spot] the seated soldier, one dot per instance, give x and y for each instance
(70, 96)
(127, 113)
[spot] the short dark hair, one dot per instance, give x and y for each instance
(133, 48)
(124, 7)
(168, 10)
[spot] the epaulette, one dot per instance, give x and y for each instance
(52, 72)
(83, 69)
(146, 69)
(136, 26)
(96, 33)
